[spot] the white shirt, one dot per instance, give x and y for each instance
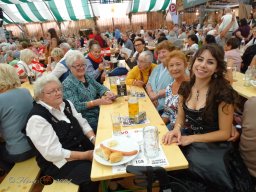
(225, 21)
(60, 69)
(43, 136)
(193, 47)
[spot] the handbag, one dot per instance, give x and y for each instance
(219, 166)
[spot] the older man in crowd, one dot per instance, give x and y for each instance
(225, 21)
(127, 42)
(140, 46)
(139, 75)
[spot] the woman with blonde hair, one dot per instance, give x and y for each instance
(16, 103)
(176, 64)
(56, 55)
(26, 67)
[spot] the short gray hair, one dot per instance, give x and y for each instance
(73, 56)
(27, 55)
(147, 56)
(65, 46)
(40, 83)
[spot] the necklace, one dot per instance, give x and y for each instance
(197, 95)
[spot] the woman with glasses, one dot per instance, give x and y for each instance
(140, 46)
(139, 75)
(83, 90)
(63, 138)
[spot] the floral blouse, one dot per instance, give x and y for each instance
(170, 105)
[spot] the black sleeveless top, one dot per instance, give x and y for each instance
(195, 124)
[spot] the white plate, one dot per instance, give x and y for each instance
(124, 144)
(253, 83)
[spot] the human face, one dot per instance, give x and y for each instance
(142, 65)
(96, 51)
(176, 68)
(139, 46)
(124, 37)
(52, 94)
(78, 68)
(254, 32)
(48, 36)
(162, 54)
(205, 65)
(190, 42)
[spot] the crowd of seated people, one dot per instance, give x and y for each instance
(72, 91)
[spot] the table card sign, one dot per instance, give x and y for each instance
(126, 121)
(141, 159)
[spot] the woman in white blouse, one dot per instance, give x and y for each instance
(63, 138)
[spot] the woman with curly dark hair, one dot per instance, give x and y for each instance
(204, 125)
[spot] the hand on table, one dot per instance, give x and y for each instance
(104, 101)
(110, 95)
(170, 137)
(139, 83)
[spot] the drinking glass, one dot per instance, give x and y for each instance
(133, 106)
(113, 84)
(116, 123)
(107, 67)
(151, 141)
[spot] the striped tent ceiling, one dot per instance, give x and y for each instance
(25, 11)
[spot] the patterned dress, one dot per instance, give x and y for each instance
(171, 105)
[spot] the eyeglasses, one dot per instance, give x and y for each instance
(138, 45)
(54, 91)
(79, 66)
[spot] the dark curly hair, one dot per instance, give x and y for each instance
(219, 90)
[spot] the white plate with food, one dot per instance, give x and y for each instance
(116, 151)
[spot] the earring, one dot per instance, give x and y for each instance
(215, 75)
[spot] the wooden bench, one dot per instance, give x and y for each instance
(24, 176)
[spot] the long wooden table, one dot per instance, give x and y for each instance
(174, 155)
(28, 86)
(242, 90)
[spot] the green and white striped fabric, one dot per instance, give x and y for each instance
(24, 11)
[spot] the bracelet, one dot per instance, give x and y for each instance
(92, 138)
(91, 103)
(106, 93)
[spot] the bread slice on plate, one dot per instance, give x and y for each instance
(115, 157)
(103, 152)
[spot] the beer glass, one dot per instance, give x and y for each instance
(133, 107)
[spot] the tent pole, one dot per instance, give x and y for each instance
(15, 23)
(58, 23)
(95, 23)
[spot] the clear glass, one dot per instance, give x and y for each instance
(113, 84)
(116, 123)
(151, 141)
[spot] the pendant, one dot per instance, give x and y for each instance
(197, 95)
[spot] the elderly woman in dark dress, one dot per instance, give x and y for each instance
(63, 138)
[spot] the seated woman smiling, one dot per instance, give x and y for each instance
(84, 91)
(63, 138)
